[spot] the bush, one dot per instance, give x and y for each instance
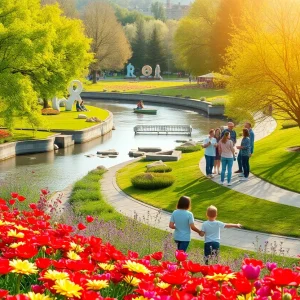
(50, 111)
(4, 134)
(152, 181)
(202, 99)
(219, 102)
(189, 149)
(180, 95)
(289, 124)
(160, 169)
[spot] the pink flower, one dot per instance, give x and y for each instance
(251, 272)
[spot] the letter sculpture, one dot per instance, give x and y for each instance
(130, 70)
(74, 95)
(157, 72)
(146, 71)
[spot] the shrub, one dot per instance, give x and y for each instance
(160, 169)
(180, 95)
(189, 149)
(219, 102)
(289, 124)
(152, 181)
(4, 134)
(50, 111)
(202, 99)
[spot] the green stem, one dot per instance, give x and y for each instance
(18, 284)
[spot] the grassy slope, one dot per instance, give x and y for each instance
(273, 163)
(252, 213)
(66, 120)
(165, 88)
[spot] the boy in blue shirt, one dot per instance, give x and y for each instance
(211, 231)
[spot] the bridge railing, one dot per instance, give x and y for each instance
(187, 129)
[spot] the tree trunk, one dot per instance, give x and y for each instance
(46, 104)
(94, 76)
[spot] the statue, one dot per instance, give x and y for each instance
(74, 95)
(130, 70)
(147, 71)
(157, 72)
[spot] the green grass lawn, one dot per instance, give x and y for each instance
(272, 162)
(67, 120)
(164, 88)
(23, 135)
(252, 213)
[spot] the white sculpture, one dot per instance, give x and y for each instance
(130, 70)
(74, 95)
(157, 72)
(147, 71)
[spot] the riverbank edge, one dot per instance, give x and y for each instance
(207, 107)
(12, 149)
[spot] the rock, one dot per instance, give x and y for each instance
(189, 144)
(89, 155)
(102, 168)
(138, 154)
(82, 116)
(108, 152)
(149, 149)
(113, 128)
(156, 164)
(56, 147)
(94, 120)
(112, 156)
(181, 141)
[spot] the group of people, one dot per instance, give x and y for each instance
(80, 106)
(182, 220)
(220, 149)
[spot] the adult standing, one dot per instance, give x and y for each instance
(230, 129)
(245, 150)
(210, 144)
(217, 161)
(252, 137)
(226, 150)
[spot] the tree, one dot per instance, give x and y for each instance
(263, 61)
(192, 42)
(40, 52)
(110, 45)
(158, 11)
(67, 6)
(156, 51)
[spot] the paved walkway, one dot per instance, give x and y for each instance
(257, 187)
(237, 238)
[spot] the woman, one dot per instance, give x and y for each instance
(210, 145)
(245, 151)
(226, 151)
(217, 161)
(140, 105)
(182, 220)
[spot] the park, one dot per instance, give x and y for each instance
(149, 150)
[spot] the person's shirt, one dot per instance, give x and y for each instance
(252, 136)
(211, 149)
(227, 149)
(182, 219)
(232, 135)
(212, 230)
(245, 151)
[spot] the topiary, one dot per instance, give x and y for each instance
(159, 169)
(152, 181)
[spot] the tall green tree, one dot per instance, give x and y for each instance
(158, 11)
(40, 52)
(156, 53)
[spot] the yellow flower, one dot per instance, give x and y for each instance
(141, 298)
(132, 280)
(67, 288)
(23, 267)
(221, 277)
(96, 284)
(3, 223)
(38, 296)
(163, 285)
(55, 275)
(16, 245)
(136, 267)
(36, 232)
(106, 267)
(16, 234)
(20, 227)
(76, 248)
(73, 255)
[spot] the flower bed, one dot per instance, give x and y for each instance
(41, 261)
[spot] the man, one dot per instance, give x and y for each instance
(239, 158)
(232, 132)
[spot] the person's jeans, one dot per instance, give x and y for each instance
(182, 245)
(211, 250)
(209, 164)
(246, 166)
(226, 163)
(239, 160)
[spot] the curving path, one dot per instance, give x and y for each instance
(257, 187)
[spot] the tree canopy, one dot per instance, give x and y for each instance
(40, 52)
(158, 10)
(263, 61)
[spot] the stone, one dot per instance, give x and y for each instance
(172, 155)
(149, 149)
(82, 116)
(114, 128)
(108, 152)
(102, 168)
(94, 120)
(55, 147)
(180, 141)
(189, 144)
(156, 164)
(112, 156)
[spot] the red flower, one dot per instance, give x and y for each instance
(241, 284)
(192, 267)
(284, 277)
(89, 219)
(32, 206)
(12, 201)
(26, 251)
(43, 263)
(81, 226)
(181, 255)
(3, 293)
(253, 262)
(4, 266)
(14, 195)
(44, 191)
(177, 277)
(38, 289)
(21, 198)
(157, 255)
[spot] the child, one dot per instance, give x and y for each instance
(211, 230)
(182, 220)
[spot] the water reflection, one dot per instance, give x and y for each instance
(58, 169)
